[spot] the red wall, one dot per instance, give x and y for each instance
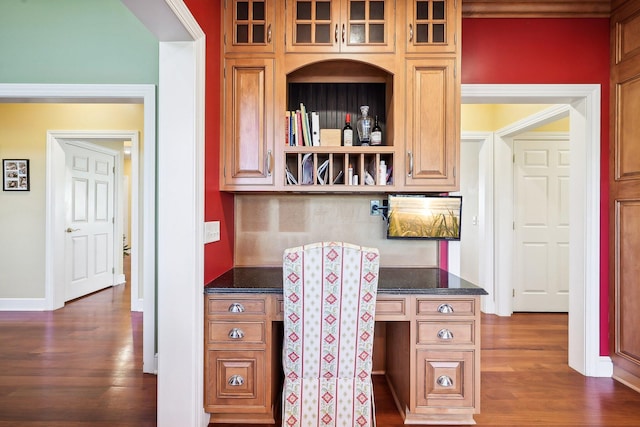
(572, 51)
(218, 206)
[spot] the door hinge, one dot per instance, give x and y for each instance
(113, 220)
(513, 293)
(514, 225)
(454, 171)
(514, 159)
(113, 270)
(113, 169)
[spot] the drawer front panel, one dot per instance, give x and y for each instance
(447, 333)
(391, 307)
(448, 378)
(445, 307)
(237, 332)
(236, 305)
(238, 378)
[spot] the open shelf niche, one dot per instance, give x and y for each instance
(332, 89)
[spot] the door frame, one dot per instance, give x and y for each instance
(582, 103)
(56, 164)
(111, 93)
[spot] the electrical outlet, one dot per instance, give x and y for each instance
(211, 231)
(374, 206)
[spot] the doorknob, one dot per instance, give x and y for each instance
(71, 230)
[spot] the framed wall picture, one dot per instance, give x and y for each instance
(15, 174)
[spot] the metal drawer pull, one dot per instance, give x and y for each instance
(236, 380)
(444, 381)
(445, 308)
(445, 334)
(236, 334)
(236, 307)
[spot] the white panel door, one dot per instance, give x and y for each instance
(541, 270)
(89, 243)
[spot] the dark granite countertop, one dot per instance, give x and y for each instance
(426, 281)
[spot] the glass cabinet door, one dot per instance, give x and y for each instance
(432, 26)
(340, 26)
(249, 26)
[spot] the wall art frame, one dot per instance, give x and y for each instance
(15, 175)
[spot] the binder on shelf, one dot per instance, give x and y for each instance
(315, 129)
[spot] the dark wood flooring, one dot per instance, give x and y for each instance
(81, 366)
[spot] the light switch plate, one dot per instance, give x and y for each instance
(211, 231)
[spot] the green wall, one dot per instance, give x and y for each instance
(75, 42)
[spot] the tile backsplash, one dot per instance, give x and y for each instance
(265, 225)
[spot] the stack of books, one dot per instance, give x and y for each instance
(302, 128)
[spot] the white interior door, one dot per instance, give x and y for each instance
(541, 258)
(89, 197)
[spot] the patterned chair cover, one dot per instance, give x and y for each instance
(329, 308)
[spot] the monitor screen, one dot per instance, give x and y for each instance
(421, 216)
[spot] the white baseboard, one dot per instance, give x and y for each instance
(137, 305)
(604, 367)
(119, 279)
(23, 304)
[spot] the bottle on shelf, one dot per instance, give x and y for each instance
(382, 173)
(349, 180)
(364, 126)
(347, 132)
(376, 133)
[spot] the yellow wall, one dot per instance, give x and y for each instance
(492, 117)
(23, 135)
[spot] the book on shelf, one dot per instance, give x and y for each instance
(287, 128)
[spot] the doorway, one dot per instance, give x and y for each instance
(144, 94)
(582, 104)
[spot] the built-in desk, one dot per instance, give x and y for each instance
(427, 344)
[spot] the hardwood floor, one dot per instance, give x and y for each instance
(77, 366)
(81, 366)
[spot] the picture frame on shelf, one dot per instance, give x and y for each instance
(15, 175)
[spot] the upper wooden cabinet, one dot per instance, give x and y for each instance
(431, 26)
(332, 57)
(340, 26)
(248, 123)
(433, 108)
(249, 26)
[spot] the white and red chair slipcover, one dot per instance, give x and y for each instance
(329, 307)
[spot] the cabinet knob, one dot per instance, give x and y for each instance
(236, 380)
(236, 334)
(445, 308)
(236, 307)
(445, 334)
(444, 381)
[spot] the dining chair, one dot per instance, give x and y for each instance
(329, 307)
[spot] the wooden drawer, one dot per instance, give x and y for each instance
(445, 379)
(229, 331)
(390, 308)
(448, 333)
(445, 307)
(236, 305)
(237, 378)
